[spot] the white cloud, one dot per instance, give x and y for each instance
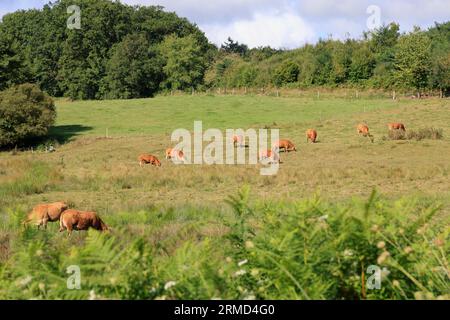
(208, 11)
(278, 30)
(286, 23)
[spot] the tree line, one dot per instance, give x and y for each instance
(124, 51)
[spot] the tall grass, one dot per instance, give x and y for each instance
(308, 249)
(420, 134)
(37, 178)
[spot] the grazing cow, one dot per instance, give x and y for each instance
(270, 156)
(238, 141)
(148, 158)
(364, 130)
(80, 220)
(396, 126)
(43, 213)
(286, 145)
(173, 153)
(311, 134)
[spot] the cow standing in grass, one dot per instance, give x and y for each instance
(44, 213)
(80, 220)
(396, 126)
(149, 159)
(269, 156)
(311, 135)
(175, 154)
(238, 141)
(286, 145)
(363, 129)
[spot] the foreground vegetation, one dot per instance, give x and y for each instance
(308, 249)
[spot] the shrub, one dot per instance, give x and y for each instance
(426, 133)
(25, 112)
(421, 134)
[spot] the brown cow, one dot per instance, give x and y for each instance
(44, 213)
(311, 134)
(238, 140)
(364, 130)
(286, 145)
(269, 155)
(396, 126)
(174, 153)
(80, 220)
(148, 158)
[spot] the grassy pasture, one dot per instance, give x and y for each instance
(93, 171)
(181, 214)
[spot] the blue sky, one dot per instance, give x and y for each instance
(288, 23)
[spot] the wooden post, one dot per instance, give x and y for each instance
(245, 90)
(318, 94)
(393, 95)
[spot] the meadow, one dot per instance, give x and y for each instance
(191, 231)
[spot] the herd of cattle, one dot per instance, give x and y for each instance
(71, 219)
(270, 155)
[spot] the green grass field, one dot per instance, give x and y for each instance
(176, 217)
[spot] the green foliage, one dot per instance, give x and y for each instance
(134, 69)
(362, 65)
(230, 46)
(96, 62)
(82, 64)
(286, 73)
(412, 60)
(25, 112)
(12, 70)
(184, 66)
(302, 250)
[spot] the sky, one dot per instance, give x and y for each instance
(288, 23)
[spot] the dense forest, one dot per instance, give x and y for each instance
(124, 51)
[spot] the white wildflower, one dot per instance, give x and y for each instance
(384, 273)
(240, 272)
(169, 285)
(23, 282)
(249, 245)
(92, 295)
(241, 263)
(381, 245)
(348, 252)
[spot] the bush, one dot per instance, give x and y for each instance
(421, 134)
(25, 112)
